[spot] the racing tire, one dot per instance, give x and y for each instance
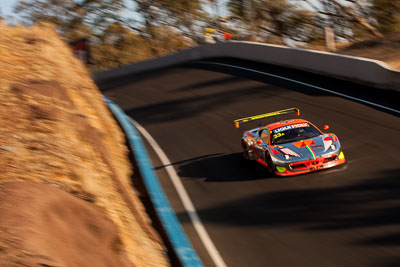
(245, 151)
(271, 166)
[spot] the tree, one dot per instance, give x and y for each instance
(345, 16)
(275, 17)
(57, 12)
(387, 14)
(118, 46)
(358, 18)
(123, 31)
(185, 16)
(72, 18)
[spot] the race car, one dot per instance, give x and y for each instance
(290, 147)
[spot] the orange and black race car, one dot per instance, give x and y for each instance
(290, 147)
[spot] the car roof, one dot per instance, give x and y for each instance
(278, 124)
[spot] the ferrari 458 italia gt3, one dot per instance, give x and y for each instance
(290, 147)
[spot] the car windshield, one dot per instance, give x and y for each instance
(293, 132)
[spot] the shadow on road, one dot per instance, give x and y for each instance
(221, 168)
(366, 206)
(211, 83)
(186, 107)
(371, 203)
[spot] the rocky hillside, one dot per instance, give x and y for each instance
(65, 190)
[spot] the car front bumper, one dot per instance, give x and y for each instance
(305, 166)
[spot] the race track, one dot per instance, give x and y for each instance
(347, 216)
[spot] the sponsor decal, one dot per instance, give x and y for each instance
(284, 128)
(311, 152)
(289, 152)
(327, 142)
(293, 126)
(274, 151)
(300, 125)
(278, 135)
(304, 143)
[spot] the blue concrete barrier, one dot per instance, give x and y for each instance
(181, 245)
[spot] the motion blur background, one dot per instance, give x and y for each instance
(117, 32)
(51, 107)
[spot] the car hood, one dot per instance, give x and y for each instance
(307, 149)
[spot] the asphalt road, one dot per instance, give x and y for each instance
(347, 216)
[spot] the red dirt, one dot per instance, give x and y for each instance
(56, 130)
(45, 226)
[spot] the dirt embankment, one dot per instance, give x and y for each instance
(65, 189)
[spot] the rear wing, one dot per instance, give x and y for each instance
(266, 115)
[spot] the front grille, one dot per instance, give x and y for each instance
(311, 164)
(330, 159)
(298, 166)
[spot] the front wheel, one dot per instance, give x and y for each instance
(270, 164)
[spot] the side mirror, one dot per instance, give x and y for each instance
(326, 127)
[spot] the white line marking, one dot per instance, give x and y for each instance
(183, 195)
(310, 85)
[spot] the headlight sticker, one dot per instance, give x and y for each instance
(289, 152)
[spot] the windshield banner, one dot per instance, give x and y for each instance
(293, 126)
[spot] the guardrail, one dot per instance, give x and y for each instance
(175, 234)
(365, 71)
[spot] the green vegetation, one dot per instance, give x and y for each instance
(125, 31)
